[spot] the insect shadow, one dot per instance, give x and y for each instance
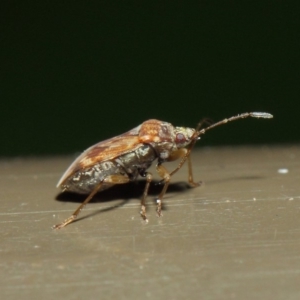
(126, 192)
(234, 179)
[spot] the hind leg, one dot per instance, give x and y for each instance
(113, 179)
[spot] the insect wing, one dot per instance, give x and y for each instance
(103, 151)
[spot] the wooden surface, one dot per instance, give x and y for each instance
(235, 237)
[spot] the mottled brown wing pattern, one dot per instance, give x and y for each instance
(103, 151)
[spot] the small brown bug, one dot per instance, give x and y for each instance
(123, 158)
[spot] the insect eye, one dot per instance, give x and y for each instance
(180, 138)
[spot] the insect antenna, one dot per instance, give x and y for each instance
(234, 118)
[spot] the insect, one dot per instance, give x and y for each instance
(125, 157)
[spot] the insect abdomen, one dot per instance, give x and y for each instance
(85, 180)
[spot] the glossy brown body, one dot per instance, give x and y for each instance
(125, 157)
(129, 154)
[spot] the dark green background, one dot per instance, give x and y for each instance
(74, 73)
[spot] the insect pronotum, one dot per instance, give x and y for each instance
(123, 158)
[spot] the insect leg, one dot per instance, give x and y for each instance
(143, 201)
(191, 178)
(179, 153)
(184, 154)
(162, 171)
(184, 157)
(114, 179)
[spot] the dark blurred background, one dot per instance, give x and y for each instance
(74, 73)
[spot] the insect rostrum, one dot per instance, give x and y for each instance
(125, 157)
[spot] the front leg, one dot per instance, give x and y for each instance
(162, 171)
(191, 177)
(184, 154)
(148, 176)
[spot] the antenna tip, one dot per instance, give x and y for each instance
(261, 115)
